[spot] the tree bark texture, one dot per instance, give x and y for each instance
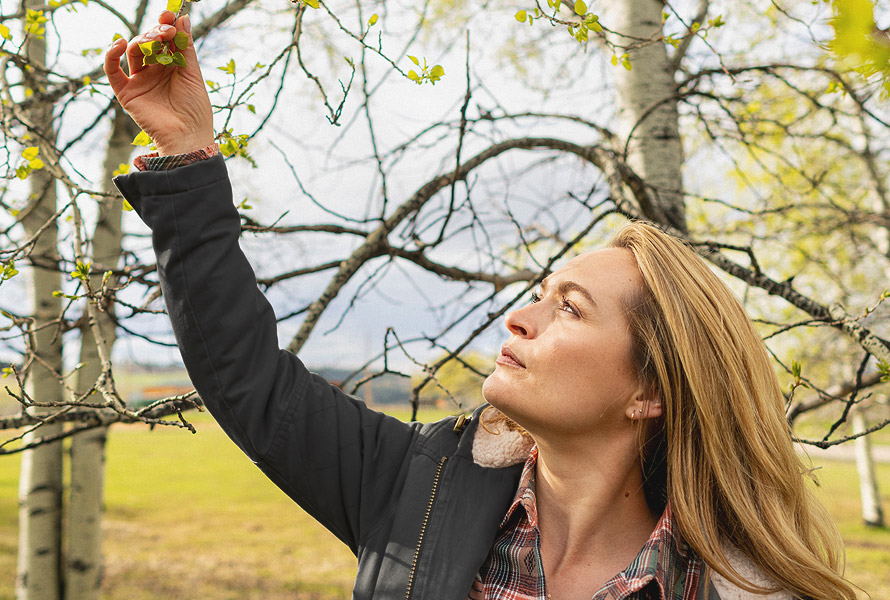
(872, 514)
(646, 100)
(83, 566)
(40, 484)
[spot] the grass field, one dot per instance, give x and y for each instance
(187, 516)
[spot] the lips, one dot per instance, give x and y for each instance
(508, 358)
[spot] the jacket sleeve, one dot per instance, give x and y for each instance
(341, 461)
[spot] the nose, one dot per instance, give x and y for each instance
(520, 322)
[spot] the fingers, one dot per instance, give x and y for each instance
(116, 76)
(191, 57)
(166, 18)
(184, 24)
(161, 33)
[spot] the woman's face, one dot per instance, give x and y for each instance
(567, 367)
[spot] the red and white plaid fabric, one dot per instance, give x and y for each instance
(153, 162)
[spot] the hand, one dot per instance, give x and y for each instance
(169, 103)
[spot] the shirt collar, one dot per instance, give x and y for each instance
(664, 558)
(525, 492)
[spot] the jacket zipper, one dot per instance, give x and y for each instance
(426, 518)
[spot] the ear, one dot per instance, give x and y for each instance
(645, 406)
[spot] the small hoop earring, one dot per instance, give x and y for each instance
(633, 415)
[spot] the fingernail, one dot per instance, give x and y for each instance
(164, 28)
(186, 24)
(150, 36)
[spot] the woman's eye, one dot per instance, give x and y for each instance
(568, 307)
(534, 298)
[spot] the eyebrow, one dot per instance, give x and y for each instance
(567, 286)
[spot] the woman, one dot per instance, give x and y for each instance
(635, 446)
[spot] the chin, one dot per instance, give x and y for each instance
(492, 390)
(497, 393)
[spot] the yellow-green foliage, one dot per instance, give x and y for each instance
(858, 44)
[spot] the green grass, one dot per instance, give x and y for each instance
(867, 548)
(188, 516)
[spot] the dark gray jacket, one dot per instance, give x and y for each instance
(404, 497)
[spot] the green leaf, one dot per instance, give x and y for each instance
(142, 139)
(165, 59)
(9, 271)
(30, 153)
(372, 20)
(149, 60)
(414, 60)
(312, 3)
(178, 59)
(229, 68)
(181, 39)
(580, 7)
(436, 73)
(795, 369)
(127, 206)
(151, 48)
(81, 271)
(521, 16)
(413, 76)
(174, 5)
(884, 370)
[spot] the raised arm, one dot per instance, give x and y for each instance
(340, 460)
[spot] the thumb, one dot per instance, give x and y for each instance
(116, 76)
(184, 24)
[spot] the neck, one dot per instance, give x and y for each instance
(591, 502)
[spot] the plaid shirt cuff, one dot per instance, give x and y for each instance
(153, 162)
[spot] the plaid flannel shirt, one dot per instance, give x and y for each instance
(153, 162)
(665, 569)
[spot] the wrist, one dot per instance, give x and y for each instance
(185, 145)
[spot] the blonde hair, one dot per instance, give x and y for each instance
(726, 459)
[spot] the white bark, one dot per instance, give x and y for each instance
(647, 126)
(872, 514)
(83, 568)
(40, 482)
(38, 574)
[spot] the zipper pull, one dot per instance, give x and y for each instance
(461, 424)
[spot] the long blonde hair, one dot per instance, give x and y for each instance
(728, 464)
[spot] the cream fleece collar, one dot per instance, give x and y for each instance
(496, 446)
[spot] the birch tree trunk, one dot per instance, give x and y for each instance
(40, 482)
(872, 514)
(83, 567)
(646, 99)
